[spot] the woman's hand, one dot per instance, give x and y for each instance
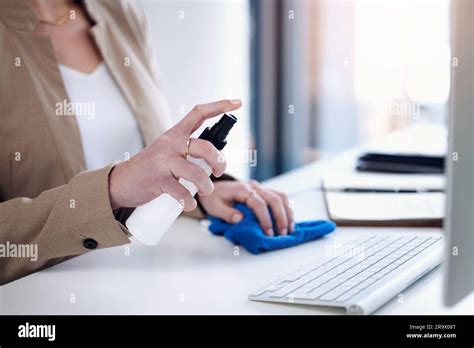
(157, 168)
(257, 198)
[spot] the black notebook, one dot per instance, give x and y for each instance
(400, 163)
(419, 149)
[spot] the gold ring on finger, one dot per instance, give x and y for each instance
(249, 194)
(186, 151)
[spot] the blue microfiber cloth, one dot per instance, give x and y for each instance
(249, 234)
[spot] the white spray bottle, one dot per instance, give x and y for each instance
(150, 221)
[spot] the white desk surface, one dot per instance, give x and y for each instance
(193, 272)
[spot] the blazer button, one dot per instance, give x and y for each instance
(90, 243)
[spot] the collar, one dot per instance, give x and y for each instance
(19, 15)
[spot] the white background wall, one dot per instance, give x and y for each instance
(202, 48)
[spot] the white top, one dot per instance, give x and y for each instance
(108, 128)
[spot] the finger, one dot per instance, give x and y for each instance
(276, 205)
(278, 210)
(202, 112)
(178, 192)
(288, 209)
(181, 168)
(204, 149)
(260, 208)
(229, 214)
(240, 192)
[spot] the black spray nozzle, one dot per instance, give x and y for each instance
(219, 131)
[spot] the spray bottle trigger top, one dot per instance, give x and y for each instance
(218, 132)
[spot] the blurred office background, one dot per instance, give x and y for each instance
(316, 76)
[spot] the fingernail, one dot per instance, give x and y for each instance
(270, 232)
(236, 218)
(236, 101)
(284, 232)
(292, 227)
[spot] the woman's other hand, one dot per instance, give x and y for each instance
(258, 198)
(157, 168)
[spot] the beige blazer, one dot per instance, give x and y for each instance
(47, 198)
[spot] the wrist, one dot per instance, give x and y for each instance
(201, 206)
(115, 187)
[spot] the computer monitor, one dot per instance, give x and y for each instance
(459, 224)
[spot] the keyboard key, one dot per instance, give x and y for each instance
(273, 287)
(258, 292)
(367, 273)
(350, 273)
(318, 292)
(296, 275)
(330, 296)
(287, 289)
(371, 280)
(305, 296)
(314, 274)
(351, 282)
(378, 276)
(314, 284)
(365, 283)
(325, 277)
(377, 267)
(347, 295)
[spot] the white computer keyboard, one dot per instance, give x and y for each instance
(372, 270)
